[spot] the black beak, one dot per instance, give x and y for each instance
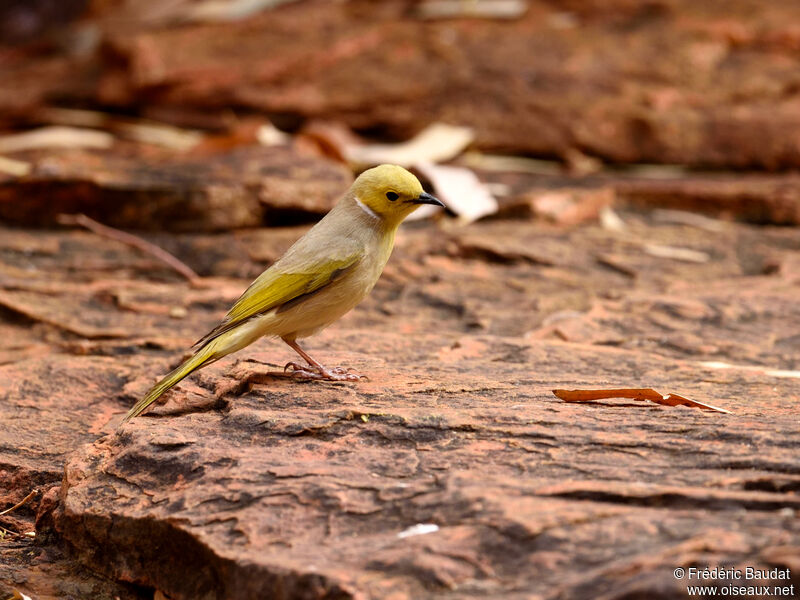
(426, 198)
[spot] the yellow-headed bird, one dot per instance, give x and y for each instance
(320, 278)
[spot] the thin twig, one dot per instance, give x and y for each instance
(130, 240)
(18, 504)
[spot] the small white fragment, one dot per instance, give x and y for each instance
(178, 312)
(269, 135)
(684, 254)
(15, 168)
(418, 529)
(610, 220)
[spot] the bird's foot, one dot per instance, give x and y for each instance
(342, 374)
(299, 371)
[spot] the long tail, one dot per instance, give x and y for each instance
(203, 356)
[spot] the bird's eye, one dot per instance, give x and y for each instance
(392, 196)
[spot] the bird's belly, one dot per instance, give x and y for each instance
(320, 309)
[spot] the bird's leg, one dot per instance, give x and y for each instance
(315, 370)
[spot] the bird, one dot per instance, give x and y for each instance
(322, 276)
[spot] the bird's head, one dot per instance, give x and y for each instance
(390, 193)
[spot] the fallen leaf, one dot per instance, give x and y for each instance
(139, 130)
(512, 164)
(436, 143)
(211, 11)
(682, 217)
(640, 394)
(159, 134)
(479, 9)
(753, 369)
(684, 254)
(15, 168)
(56, 137)
(461, 190)
(332, 139)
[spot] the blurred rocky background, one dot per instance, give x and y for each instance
(623, 209)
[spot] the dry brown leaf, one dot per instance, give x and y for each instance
(640, 394)
(332, 139)
(461, 190)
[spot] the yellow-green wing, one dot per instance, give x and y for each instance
(274, 288)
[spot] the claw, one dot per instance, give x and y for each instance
(305, 374)
(298, 368)
(312, 372)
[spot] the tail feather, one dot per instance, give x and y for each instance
(202, 357)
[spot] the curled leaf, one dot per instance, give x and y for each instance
(639, 394)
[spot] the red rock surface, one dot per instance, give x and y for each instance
(240, 188)
(669, 81)
(247, 484)
(311, 489)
